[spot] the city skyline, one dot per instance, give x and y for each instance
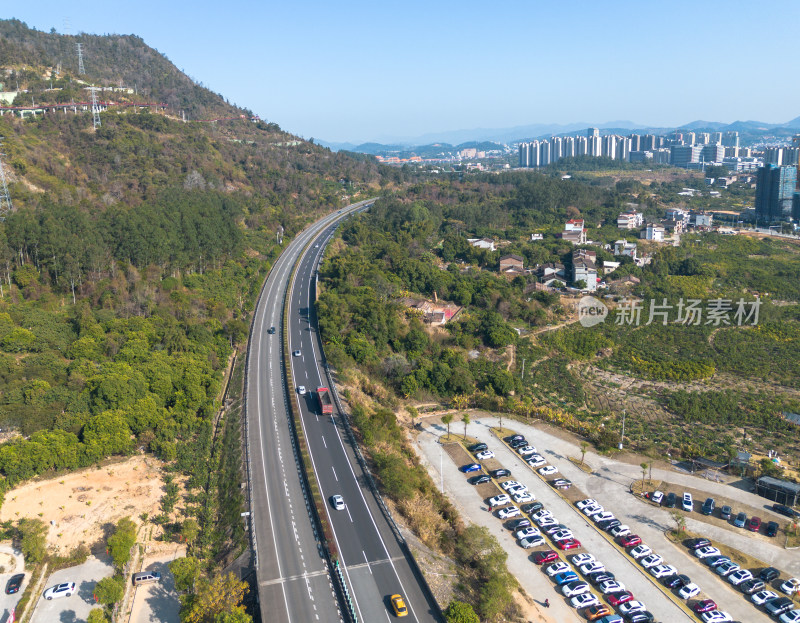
(359, 72)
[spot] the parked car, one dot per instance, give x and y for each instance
(671, 500)
(740, 521)
(549, 555)
(708, 506)
(762, 597)
(66, 589)
(561, 483)
(499, 500)
(520, 497)
(769, 574)
(547, 522)
(532, 508)
(531, 541)
(526, 450)
(716, 616)
(484, 455)
(772, 528)
(640, 551)
(698, 543)
(776, 607)
(525, 523)
(716, 561)
(511, 438)
(536, 460)
(478, 447)
(705, 552)
(508, 512)
(640, 616)
(518, 443)
(548, 470)
(676, 581)
(653, 560)
(581, 504)
(595, 612)
(568, 544)
(688, 591)
(592, 567)
(14, 583)
(600, 577)
(617, 599)
(480, 480)
(726, 568)
(561, 535)
(791, 586)
(584, 600)
(663, 571)
(604, 516)
(754, 524)
(738, 577)
(620, 531)
(631, 606)
(570, 589)
(510, 484)
(556, 568)
(471, 467)
(688, 503)
(657, 497)
(629, 540)
(500, 473)
(752, 585)
(611, 586)
(785, 510)
(565, 578)
(611, 618)
(791, 616)
(725, 512)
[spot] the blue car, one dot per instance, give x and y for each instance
(472, 467)
(564, 578)
(611, 618)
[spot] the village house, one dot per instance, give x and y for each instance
(574, 231)
(584, 268)
(653, 232)
(482, 243)
(551, 272)
(630, 220)
(623, 247)
(512, 265)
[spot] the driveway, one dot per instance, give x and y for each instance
(76, 608)
(609, 485)
(157, 603)
(12, 563)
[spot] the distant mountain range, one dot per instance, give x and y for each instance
(460, 139)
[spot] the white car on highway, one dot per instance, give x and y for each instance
(548, 470)
(296, 353)
(337, 501)
(301, 389)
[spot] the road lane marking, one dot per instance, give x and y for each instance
(323, 442)
(367, 561)
(334, 474)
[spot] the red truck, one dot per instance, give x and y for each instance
(325, 402)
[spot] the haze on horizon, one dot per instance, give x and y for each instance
(359, 71)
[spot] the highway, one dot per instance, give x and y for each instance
(293, 581)
(373, 559)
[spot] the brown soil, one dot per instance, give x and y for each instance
(79, 507)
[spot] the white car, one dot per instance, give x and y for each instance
(652, 560)
(556, 568)
(591, 567)
(546, 522)
(510, 484)
(523, 496)
(508, 513)
(527, 533)
(640, 551)
(716, 616)
(338, 502)
(548, 470)
(631, 606)
(584, 600)
(575, 588)
(726, 568)
(604, 516)
(531, 541)
(737, 577)
(622, 530)
(499, 500)
(791, 586)
(517, 489)
(611, 586)
(705, 552)
(762, 597)
(486, 454)
(582, 559)
(657, 497)
(590, 511)
(526, 450)
(562, 535)
(541, 514)
(688, 503)
(663, 571)
(792, 616)
(536, 460)
(587, 502)
(301, 389)
(67, 589)
(296, 353)
(689, 591)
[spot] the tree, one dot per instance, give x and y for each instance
(109, 590)
(644, 473)
(238, 616)
(584, 448)
(650, 469)
(680, 520)
(220, 595)
(460, 612)
(447, 418)
(413, 414)
(185, 571)
(189, 530)
(97, 615)
(33, 539)
(121, 542)
(466, 421)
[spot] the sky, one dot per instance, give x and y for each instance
(356, 71)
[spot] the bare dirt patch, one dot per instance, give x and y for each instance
(79, 507)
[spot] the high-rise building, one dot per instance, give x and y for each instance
(773, 155)
(623, 148)
(689, 138)
(648, 143)
(716, 137)
(608, 146)
(635, 142)
(544, 154)
(590, 132)
(524, 160)
(683, 155)
(730, 139)
(712, 153)
(556, 148)
(568, 147)
(582, 146)
(775, 189)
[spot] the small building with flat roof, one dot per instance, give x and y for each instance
(777, 490)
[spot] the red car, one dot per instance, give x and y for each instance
(630, 540)
(541, 558)
(753, 524)
(616, 599)
(568, 544)
(705, 605)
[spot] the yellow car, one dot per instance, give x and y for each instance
(399, 605)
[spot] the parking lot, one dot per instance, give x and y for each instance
(13, 563)
(76, 608)
(648, 521)
(157, 603)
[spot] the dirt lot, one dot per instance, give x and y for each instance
(83, 503)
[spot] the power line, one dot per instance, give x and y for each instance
(95, 108)
(5, 198)
(81, 69)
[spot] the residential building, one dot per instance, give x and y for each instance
(773, 155)
(512, 264)
(673, 226)
(730, 139)
(701, 219)
(584, 268)
(677, 214)
(551, 272)
(482, 243)
(630, 220)
(684, 155)
(653, 232)
(712, 153)
(574, 231)
(535, 237)
(623, 247)
(775, 187)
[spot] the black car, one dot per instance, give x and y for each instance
(676, 581)
(772, 528)
(533, 507)
(752, 586)
(785, 510)
(608, 524)
(518, 443)
(769, 574)
(776, 607)
(725, 512)
(479, 480)
(512, 438)
(500, 473)
(271, 330)
(478, 447)
(14, 583)
(642, 616)
(600, 576)
(708, 506)
(698, 543)
(671, 500)
(520, 523)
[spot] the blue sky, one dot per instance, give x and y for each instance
(358, 71)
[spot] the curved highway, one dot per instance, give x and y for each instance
(373, 559)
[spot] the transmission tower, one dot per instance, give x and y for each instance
(81, 70)
(95, 108)
(5, 198)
